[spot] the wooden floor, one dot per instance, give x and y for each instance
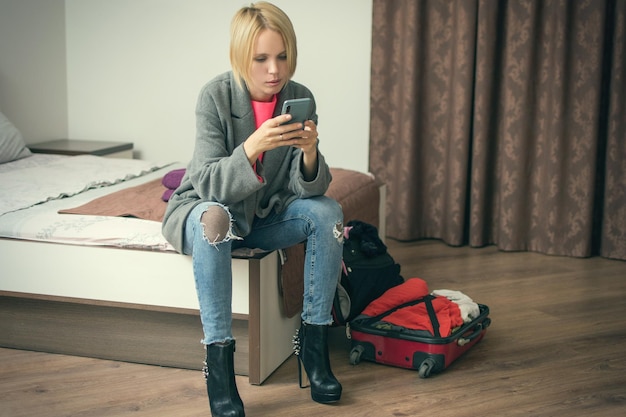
(555, 348)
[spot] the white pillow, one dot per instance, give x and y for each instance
(12, 144)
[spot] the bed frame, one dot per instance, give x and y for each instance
(78, 300)
(141, 306)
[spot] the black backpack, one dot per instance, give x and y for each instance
(368, 271)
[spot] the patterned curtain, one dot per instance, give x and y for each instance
(502, 122)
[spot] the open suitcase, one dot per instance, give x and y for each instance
(413, 350)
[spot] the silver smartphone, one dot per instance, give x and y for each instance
(299, 108)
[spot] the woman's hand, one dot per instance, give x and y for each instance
(308, 144)
(308, 141)
(273, 134)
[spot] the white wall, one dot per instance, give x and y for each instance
(33, 89)
(134, 69)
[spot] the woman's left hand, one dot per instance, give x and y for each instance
(308, 140)
(308, 144)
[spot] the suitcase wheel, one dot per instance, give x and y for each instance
(426, 367)
(355, 354)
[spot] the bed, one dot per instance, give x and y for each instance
(111, 287)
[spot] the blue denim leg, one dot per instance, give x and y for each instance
(319, 222)
(213, 276)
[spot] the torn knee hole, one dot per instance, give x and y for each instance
(338, 232)
(216, 224)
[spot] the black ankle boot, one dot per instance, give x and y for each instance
(219, 371)
(311, 348)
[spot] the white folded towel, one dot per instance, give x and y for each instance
(469, 309)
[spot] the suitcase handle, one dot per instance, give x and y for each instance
(478, 328)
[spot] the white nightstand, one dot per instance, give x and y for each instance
(84, 147)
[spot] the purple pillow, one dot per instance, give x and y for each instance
(167, 194)
(173, 178)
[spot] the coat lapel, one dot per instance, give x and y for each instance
(244, 124)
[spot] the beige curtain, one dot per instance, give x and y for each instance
(502, 122)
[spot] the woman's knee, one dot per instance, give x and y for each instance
(329, 213)
(332, 210)
(216, 224)
(336, 208)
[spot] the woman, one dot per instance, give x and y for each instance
(256, 180)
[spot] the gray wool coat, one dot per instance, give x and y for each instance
(219, 170)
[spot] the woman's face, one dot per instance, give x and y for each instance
(269, 71)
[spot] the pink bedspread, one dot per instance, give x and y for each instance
(142, 201)
(357, 192)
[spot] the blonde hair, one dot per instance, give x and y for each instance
(245, 28)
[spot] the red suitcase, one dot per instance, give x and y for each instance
(413, 350)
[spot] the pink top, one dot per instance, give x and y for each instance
(263, 110)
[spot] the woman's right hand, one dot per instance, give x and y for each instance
(271, 135)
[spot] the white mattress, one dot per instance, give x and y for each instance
(32, 190)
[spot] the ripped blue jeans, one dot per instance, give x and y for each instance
(317, 220)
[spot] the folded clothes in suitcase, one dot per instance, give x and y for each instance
(410, 328)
